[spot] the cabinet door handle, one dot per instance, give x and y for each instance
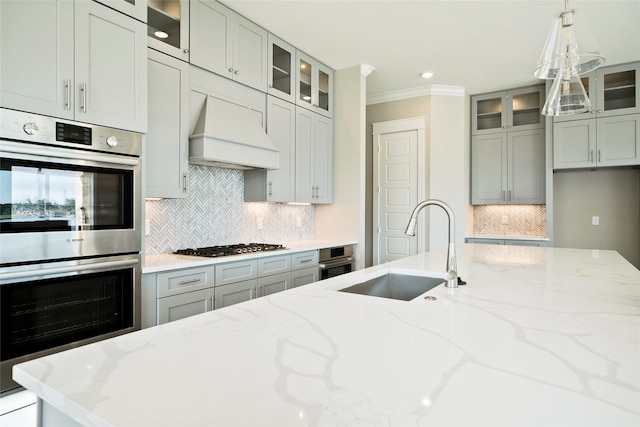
(184, 182)
(188, 282)
(67, 94)
(599, 156)
(590, 156)
(270, 188)
(503, 196)
(83, 97)
(509, 199)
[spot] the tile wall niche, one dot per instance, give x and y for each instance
(523, 220)
(215, 214)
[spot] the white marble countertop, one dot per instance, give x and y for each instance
(506, 237)
(538, 337)
(164, 262)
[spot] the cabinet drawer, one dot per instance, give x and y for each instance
(181, 281)
(274, 265)
(236, 272)
(304, 259)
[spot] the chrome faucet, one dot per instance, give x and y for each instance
(452, 273)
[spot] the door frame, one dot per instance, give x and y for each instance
(394, 126)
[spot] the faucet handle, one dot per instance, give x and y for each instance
(461, 282)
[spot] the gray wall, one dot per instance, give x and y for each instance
(611, 194)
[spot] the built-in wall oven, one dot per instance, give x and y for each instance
(336, 261)
(69, 235)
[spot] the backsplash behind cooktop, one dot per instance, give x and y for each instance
(215, 213)
(521, 220)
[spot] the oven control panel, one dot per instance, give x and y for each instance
(34, 128)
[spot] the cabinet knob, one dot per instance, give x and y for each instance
(236, 72)
(30, 128)
(231, 70)
(186, 50)
(112, 141)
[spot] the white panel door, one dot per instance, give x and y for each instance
(397, 194)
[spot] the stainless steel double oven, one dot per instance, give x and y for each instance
(70, 268)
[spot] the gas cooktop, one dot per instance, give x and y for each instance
(239, 249)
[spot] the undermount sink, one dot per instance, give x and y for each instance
(395, 286)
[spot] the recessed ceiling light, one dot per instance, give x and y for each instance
(161, 34)
(427, 74)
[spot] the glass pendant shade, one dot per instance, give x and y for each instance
(567, 96)
(569, 46)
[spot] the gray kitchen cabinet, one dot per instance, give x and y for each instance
(275, 283)
(167, 143)
(184, 305)
(134, 8)
(274, 265)
(612, 91)
(508, 168)
(281, 71)
(315, 85)
(597, 142)
(228, 44)
(511, 110)
(304, 259)
(276, 185)
(314, 158)
(304, 276)
(90, 64)
(183, 293)
(168, 27)
(304, 268)
(234, 293)
(512, 242)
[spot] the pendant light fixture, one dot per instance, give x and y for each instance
(569, 52)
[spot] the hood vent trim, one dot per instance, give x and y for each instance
(228, 135)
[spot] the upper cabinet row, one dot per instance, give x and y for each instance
(609, 134)
(211, 36)
(74, 60)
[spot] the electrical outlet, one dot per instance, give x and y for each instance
(260, 224)
(147, 227)
(595, 220)
(298, 222)
(505, 219)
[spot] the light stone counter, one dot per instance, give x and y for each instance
(538, 337)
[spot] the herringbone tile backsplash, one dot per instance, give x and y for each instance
(214, 213)
(521, 220)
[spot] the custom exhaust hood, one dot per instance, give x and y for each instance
(228, 135)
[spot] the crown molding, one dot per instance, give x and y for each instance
(415, 92)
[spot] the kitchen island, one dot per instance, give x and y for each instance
(538, 336)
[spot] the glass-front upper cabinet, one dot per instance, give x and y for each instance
(612, 91)
(315, 85)
(517, 109)
(168, 27)
(134, 8)
(281, 72)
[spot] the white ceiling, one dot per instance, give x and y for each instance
(479, 45)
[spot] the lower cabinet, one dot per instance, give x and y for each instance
(184, 305)
(183, 293)
(512, 242)
(304, 276)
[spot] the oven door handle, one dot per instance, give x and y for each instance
(338, 262)
(65, 153)
(69, 269)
